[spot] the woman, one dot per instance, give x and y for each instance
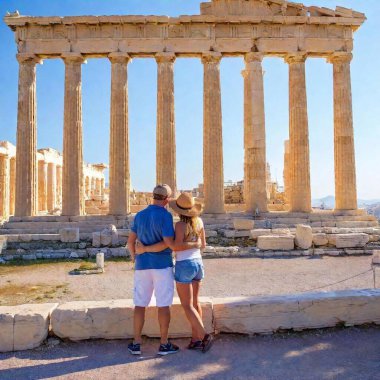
(189, 271)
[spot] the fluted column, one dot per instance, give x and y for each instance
(42, 186)
(119, 177)
(26, 169)
(165, 140)
(299, 173)
(12, 190)
(212, 135)
(59, 186)
(287, 182)
(344, 148)
(4, 186)
(72, 176)
(255, 194)
(51, 187)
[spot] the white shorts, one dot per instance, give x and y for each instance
(161, 281)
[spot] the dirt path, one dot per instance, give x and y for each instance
(339, 354)
(224, 277)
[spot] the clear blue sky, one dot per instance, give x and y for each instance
(188, 97)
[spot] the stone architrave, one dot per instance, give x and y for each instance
(51, 187)
(4, 186)
(42, 185)
(166, 145)
(119, 140)
(212, 135)
(12, 185)
(344, 149)
(26, 203)
(72, 176)
(299, 173)
(255, 194)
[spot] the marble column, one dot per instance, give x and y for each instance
(72, 176)
(51, 187)
(287, 182)
(59, 186)
(12, 190)
(255, 194)
(26, 203)
(4, 186)
(42, 186)
(344, 149)
(165, 140)
(299, 173)
(119, 174)
(212, 135)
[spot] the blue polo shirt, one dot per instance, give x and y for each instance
(151, 225)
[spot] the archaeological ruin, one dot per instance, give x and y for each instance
(39, 182)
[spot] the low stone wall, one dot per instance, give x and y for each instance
(27, 326)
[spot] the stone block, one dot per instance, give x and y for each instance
(276, 242)
(304, 236)
(242, 234)
(260, 232)
(250, 315)
(69, 235)
(109, 236)
(280, 231)
(351, 240)
(26, 238)
(320, 239)
(3, 243)
(211, 233)
(24, 327)
(332, 239)
(243, 224)
(119, 252)
(96, 239)
(228, 233)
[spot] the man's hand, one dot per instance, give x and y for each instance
(139, 248)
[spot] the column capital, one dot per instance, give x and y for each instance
(211, 57)
(73, 58)
(340, 57)
(28, 58)
(253, 57)
(119, 57)
(297, 57)
(165, 57)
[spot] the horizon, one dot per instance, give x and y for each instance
(189, 101)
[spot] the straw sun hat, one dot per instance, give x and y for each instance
(185, 205)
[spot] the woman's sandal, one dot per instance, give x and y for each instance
(207, 342)
(197, 345)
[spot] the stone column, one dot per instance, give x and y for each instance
(4, 186)
(51, 187)
(212, 135)
(12, 190)
(287, 182)
(344, 149)
(255, 194)
(299, 173)
(26, 169)
(119, 175)
(72, 186)
(166, 145)
(59, 185)
(42, 186)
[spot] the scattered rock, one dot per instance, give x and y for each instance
(304, 236)
(276, 242)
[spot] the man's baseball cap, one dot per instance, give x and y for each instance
(163, 190)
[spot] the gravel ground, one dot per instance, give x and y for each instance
(51, 282)
(340, 354)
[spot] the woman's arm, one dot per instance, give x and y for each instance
(203, 238)
(158, 247)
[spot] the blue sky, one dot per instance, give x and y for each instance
(188, 97)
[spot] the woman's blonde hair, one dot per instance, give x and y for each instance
(191, 224)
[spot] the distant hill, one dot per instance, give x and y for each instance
(329, 202)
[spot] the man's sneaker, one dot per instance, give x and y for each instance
(134, 348)
(168, 348)
(207, 342)
(195, 345)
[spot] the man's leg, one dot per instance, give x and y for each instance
(164, 321)
(138, 323)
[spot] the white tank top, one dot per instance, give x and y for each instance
(193, 253)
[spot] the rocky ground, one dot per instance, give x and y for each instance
(52, 282)
(339, 354)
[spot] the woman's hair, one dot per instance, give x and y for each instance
(191, 224)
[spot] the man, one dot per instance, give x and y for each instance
(154, 271)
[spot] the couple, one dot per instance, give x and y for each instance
(151, 242)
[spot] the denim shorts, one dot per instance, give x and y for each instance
(187, 271)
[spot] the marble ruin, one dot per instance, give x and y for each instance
(251, 29)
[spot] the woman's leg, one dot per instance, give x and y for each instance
(186, 296)
(196, 287)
